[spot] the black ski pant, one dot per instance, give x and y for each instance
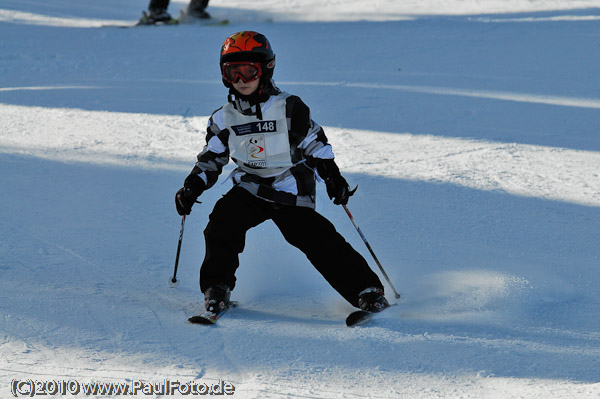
(238, 211)
(164, 4)
(158, 4)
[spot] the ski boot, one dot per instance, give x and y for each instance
(216, 298)
(157, 16)
(197, 9)
(372, 300)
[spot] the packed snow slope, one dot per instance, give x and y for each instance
(472, 129)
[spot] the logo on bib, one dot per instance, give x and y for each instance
(257, 156)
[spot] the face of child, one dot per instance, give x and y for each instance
(246, 88)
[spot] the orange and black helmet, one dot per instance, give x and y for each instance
(248, 46)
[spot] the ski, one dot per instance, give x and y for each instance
(208, 22)
(358, 317)
(208, 317)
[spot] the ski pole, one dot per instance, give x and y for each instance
(360, 233)
(173, 280)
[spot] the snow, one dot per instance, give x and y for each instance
(470, 127)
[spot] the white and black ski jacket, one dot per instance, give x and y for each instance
(275, 144)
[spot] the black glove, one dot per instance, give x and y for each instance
(338, 190)
(188, 194)
(337, 186)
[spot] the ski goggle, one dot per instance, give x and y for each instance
(247, 71)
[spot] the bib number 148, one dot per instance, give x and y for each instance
(268, 126)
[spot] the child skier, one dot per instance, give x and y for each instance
(278, 151)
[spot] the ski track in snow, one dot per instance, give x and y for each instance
(479, 189)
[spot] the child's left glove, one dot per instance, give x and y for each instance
(338, 190)
(188, 194)
(337, 187)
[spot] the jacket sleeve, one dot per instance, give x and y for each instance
(311, 140)
(215, 154)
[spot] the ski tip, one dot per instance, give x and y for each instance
(358, 317)
(362, 316)
(200, 320)
(211, 318)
